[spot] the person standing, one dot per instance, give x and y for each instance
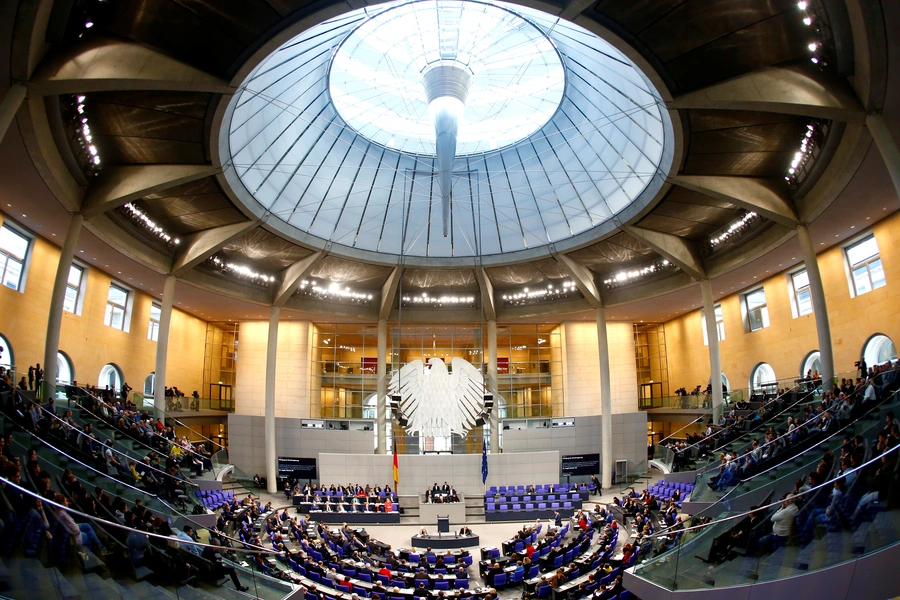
(38, 376)
(30, 377)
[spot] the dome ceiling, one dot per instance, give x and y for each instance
(331, 132)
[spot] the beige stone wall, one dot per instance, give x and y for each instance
(85, 339)
(582, 368)
(787, 340)
(292, 377)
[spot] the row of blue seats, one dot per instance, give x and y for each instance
(504, 507)
(535, 497)
(214, 499)
(543, 488)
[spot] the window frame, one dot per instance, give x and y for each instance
(24, 263)
(153, 325)
(126, 307)
(851, 268)
(79, 291)
(796, 310)
(764, 314)
(720, 323)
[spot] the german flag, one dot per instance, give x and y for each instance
(396, 468)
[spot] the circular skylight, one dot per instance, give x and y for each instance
(376, 79)
(443, 129)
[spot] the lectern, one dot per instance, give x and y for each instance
(443, 525)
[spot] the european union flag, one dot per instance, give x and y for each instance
(484, 467)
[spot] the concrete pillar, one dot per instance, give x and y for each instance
(271, 361)
(817, 292)
(54, 319)
(9, 106)
(888, 148)
(492, 385)
(715, 359)
(606, 471)
(162, 342)
(381, 423)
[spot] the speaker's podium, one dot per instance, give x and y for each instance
(443, 525)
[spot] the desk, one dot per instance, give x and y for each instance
(335, 517)
(446, 542)
(527, 515)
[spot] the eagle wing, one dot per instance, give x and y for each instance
(408, 384)
(467, 395)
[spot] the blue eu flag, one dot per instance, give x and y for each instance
(484, 467)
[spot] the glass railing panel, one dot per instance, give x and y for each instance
(823, 528)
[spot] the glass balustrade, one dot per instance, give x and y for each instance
(837, 521)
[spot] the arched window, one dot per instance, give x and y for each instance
(110, 376)
(65, 370)
(878, 350)
(6, 354)
(762, 378)
(150, 384)
(812, 363)
(370, 411)
(724, 381)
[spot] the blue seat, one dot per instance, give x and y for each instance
(400, 583)
(294, 566)
(461, 584)
(441, 571)
(544, 591)
(343, 588)
(517, 576)
(467, 560)
(557, 562)
(349, 572)
(624, 595)
(384, 579)
(414, 558)
(499, 580)
(431, 558)
(529, 506)
(365, 577)
(534, 571)
(494, 553)
(442, 585)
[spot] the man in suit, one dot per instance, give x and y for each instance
(557, 519)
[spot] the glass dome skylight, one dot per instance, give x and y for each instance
(376, 80)
(548, 131)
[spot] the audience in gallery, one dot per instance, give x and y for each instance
(441, 494)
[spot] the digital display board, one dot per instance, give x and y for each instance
(296, 467)
(580, 464)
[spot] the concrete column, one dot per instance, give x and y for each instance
(381, 423)
(817, 292)
(162, 342)
(715, 359)
(492, 385)
(606, 433)
(888, 148)
(54, 319)
(271, 360)
(9, 106)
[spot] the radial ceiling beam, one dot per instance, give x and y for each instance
(198, 247)
(583, 278)
(121, 185)
(292, 275)
(790, 90)
(389, 293)
(488, 305)
(104, 64)
(673, 248)
(574, 8)
(750, 193)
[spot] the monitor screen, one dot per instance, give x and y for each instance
(580, 464)
(296, 467)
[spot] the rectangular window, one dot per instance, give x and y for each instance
(720, 325)
(866, 271)
(153, 330)
(73, 289)
(802, 296)
(116, 303)
(757, 311)
(13, 250)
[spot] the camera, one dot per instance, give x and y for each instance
(856, 364)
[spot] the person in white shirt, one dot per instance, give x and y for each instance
(782, 525)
